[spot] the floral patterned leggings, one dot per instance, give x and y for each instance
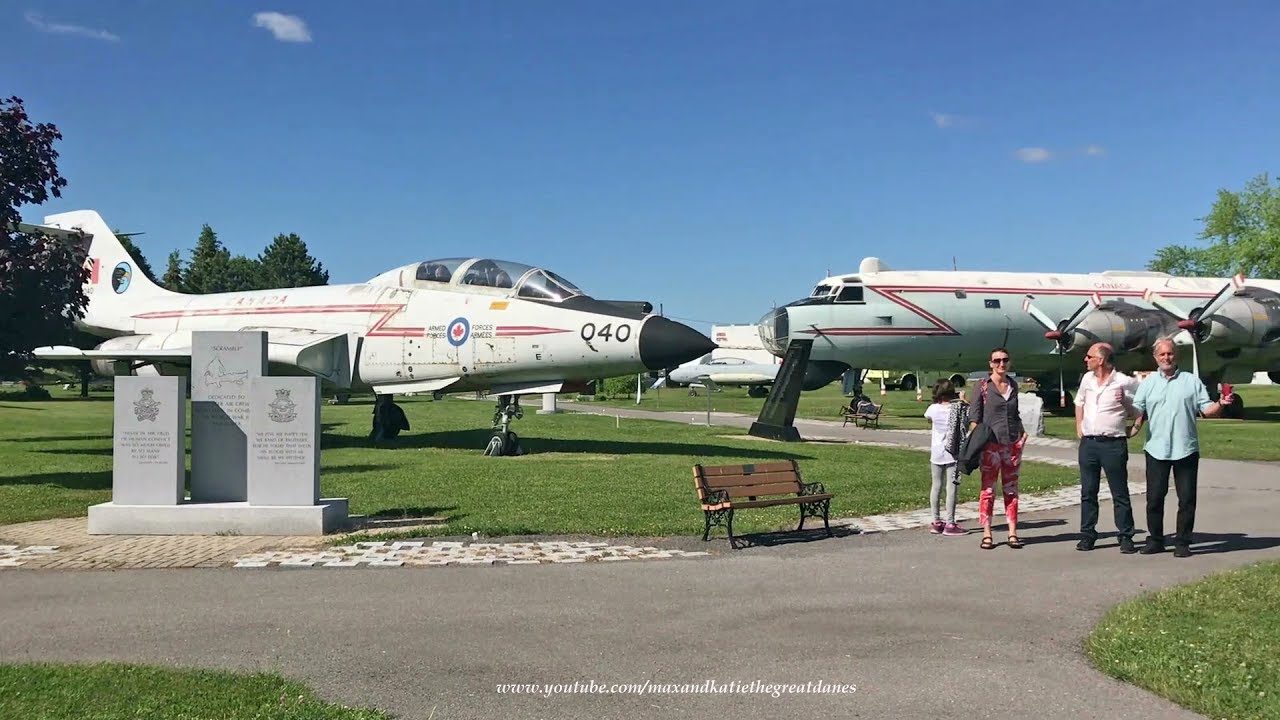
(1004, 460)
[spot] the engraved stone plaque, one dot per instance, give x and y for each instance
(223, 364)
(149, 441)
(284, 441)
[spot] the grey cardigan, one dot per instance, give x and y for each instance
(999, 415)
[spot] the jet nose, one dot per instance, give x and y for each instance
(664, 343)
(774, 327)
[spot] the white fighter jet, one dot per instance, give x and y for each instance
(439, 326)
(712, 372)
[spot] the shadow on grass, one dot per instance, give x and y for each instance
(8, 405)
(478, 439)
(100, 480)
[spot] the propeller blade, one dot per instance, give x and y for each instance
(1225, 294)
(1081, 313)
(1036, 313)
(1163, 303)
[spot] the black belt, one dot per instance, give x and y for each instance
(1105, 437)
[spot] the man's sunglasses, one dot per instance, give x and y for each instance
(999, 360)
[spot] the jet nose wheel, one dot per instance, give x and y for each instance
(504, 441)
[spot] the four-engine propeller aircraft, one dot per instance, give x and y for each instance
(439, 326)
(950, 320)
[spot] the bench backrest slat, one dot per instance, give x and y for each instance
(725, 481)
(751, 480)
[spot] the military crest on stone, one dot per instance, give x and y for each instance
(283, 409)
(146, 407)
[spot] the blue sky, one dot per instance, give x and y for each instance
(715, 157)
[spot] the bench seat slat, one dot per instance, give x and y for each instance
(779, 501)
(782, 488)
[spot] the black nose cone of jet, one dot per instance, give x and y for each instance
(664, 343)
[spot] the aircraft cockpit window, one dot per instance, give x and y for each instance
(850, 294)
(821, 291)
(546, 285)
(436, 271)
(493, 273)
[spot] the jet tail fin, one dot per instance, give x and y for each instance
(114, 277)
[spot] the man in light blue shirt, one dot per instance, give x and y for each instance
(1168, 401)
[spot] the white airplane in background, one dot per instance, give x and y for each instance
(950, 320)
(711, 372)
(447, 325)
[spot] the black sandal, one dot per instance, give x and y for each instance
(987, 544)
(1014, 542)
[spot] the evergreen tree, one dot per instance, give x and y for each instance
(173, 273)
(135, 252)
(243, 274)
(210, 265)
(287, 263)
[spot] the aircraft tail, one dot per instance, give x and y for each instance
(114, 278)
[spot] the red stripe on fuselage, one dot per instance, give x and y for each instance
(526, 330)
(379, 328)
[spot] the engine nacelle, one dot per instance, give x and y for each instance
(109, 367)
(1126, 327)
(1250, 319)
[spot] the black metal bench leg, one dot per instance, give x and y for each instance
(732, 546)
(826, 509)
(706, 526)
(802, 515)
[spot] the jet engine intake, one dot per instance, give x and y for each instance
(110, 367)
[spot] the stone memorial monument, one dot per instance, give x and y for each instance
(255, 449)
(1031, 408)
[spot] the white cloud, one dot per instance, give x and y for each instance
(1095, 150)
(285, 28)
(943, 120)
(1033, 154)
(38, 22)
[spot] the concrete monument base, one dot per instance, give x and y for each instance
(240, 518)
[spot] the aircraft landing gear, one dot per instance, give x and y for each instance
(504, 441)
(388, 418)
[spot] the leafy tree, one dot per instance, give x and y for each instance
(243, 274)
(41, 278)
(287, 263)
(173, 273)
(1244, 230)
(134, 252)
(210, 265)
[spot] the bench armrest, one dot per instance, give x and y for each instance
(813, 488)
(716, 497)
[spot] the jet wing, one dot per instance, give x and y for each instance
(327, 355)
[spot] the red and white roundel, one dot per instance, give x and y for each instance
(458, 331)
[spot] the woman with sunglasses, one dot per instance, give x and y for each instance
(995, 405)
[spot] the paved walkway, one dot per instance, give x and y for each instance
(922, 625)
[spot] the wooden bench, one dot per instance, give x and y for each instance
(722, 489)
(867, 418)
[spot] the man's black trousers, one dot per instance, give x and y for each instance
(1184, 480)
(1111, 455)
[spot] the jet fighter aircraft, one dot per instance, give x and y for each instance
(950, 320)
(711, 372)
(446, 325)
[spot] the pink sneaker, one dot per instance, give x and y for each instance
(936, 527)
(954, 529)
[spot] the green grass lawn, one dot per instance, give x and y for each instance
(130, 692)
(1210, 646)
(1252, 438)
(583, 474)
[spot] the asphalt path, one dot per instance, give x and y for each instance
(920, 624)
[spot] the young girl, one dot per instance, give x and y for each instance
(947, 414)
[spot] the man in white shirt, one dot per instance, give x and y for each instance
(1104, 404)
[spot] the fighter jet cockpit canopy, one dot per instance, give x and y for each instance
(527, 281)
